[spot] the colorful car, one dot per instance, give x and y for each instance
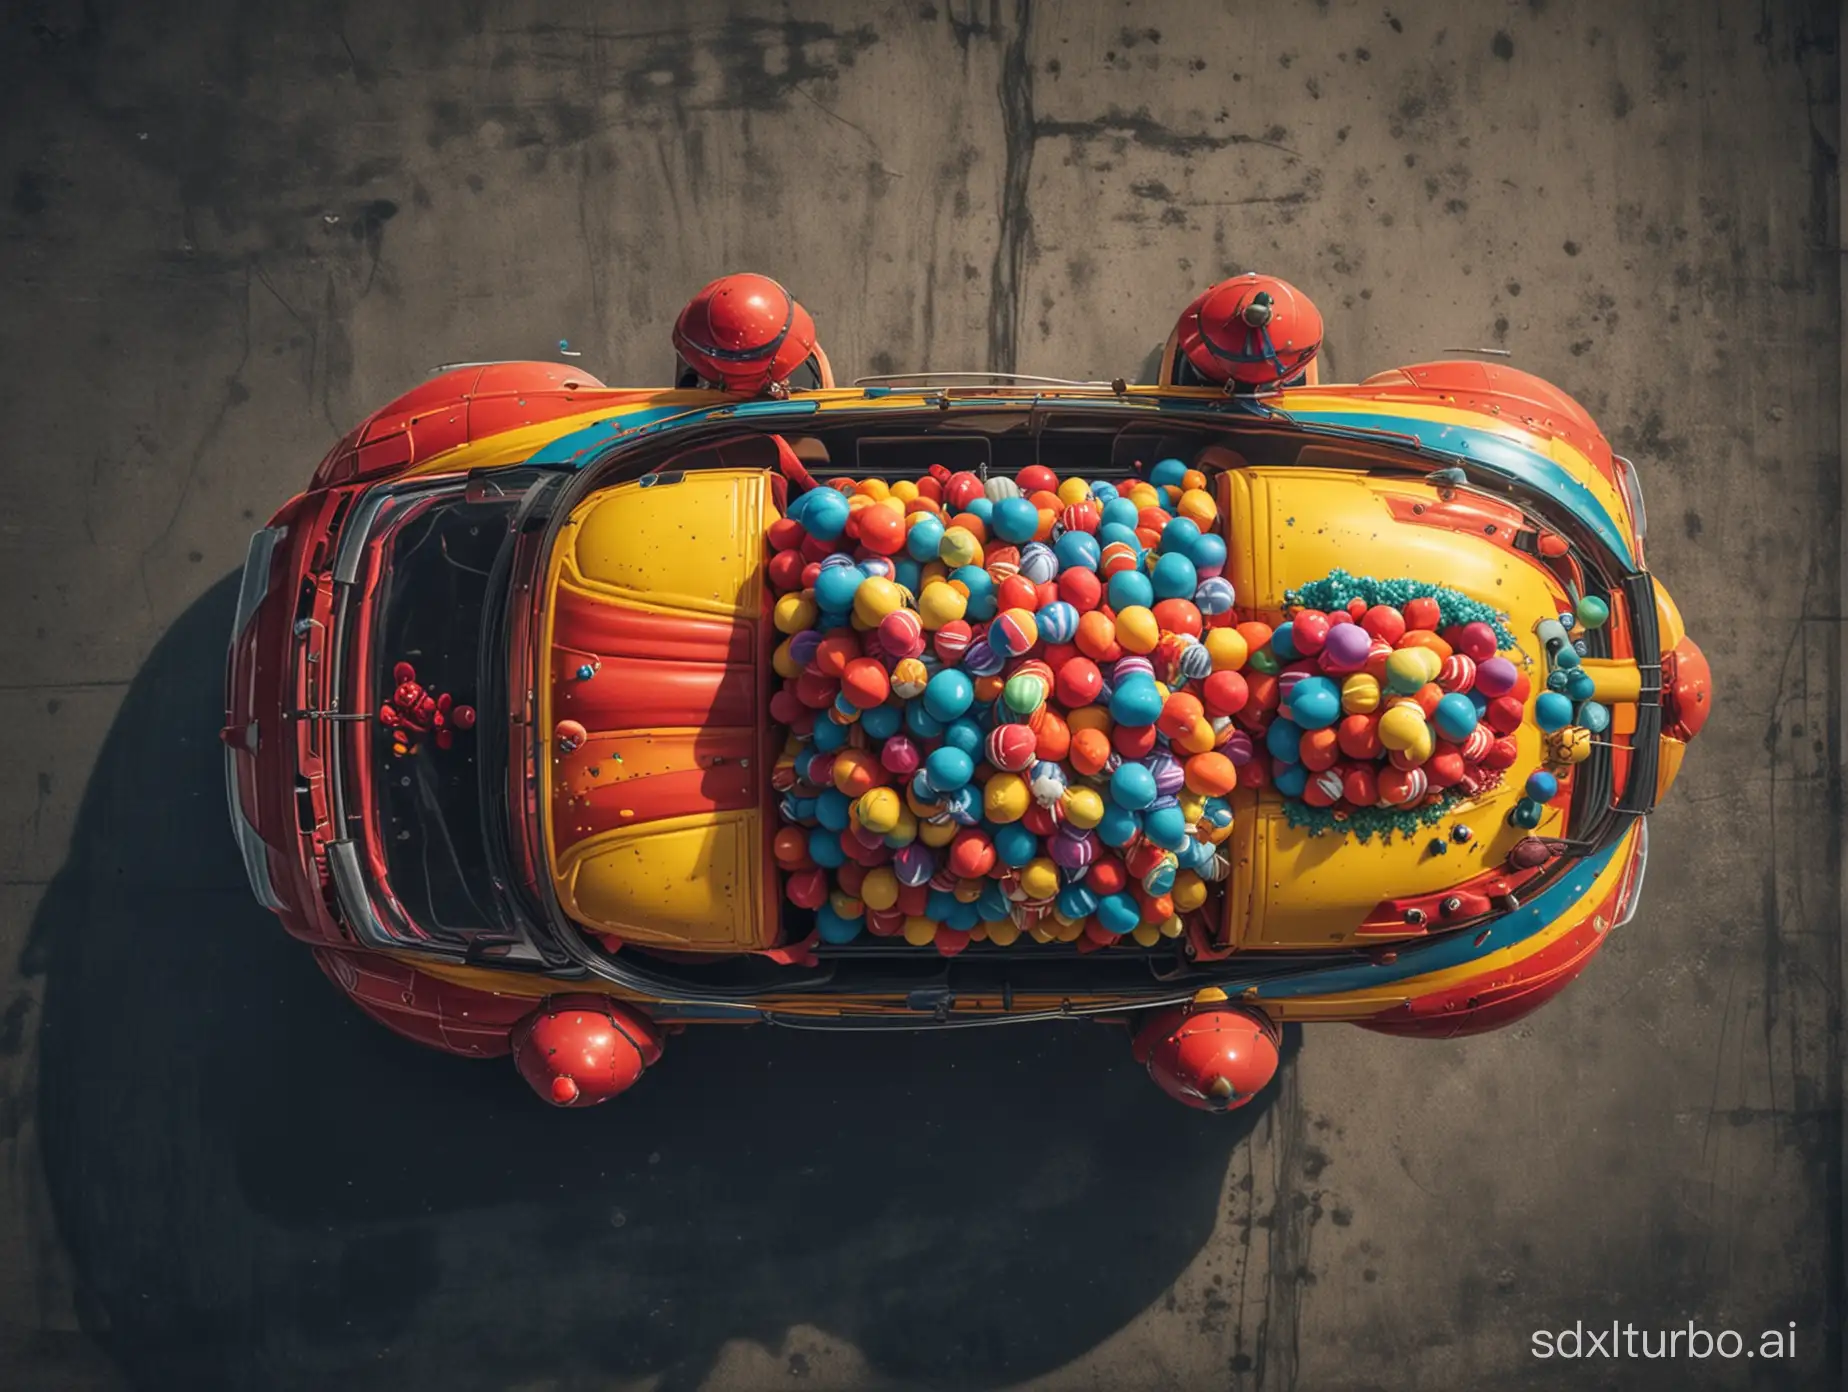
(500, 741)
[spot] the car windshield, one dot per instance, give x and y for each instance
(435, 587)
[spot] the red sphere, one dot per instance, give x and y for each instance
(1384, 622)
(744, 333)
(1037, 478)
(579, 1050)
(1422, 613)
(1078, 682)
(1081, 589)
(1252, 330)
(1214, 1057)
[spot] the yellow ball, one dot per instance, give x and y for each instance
(794, 612)
(1084, 807)
(1360, 694)
(1088, 718)
(1002, 932)
(1005, 797)
(1069, 932)
(1198, 504)
(1073, 490)
(1227, 648)
(1137, 630)
(1039, 878)
(1402, 727)
(940, 603)
(959, 548)
(1041, 934)
(905, 491)
(1143, 495)
(905, 832)
(1146, 934)
(878, 809)
(873, 488)
(877, 597)
(1189, 891)
(1406, 670)
(968, 891)
(1171, 927)
(937, 833)
(1571, 745)
(1193, 806)
(782, 663)
(920, 931)
(845, 904)
(1197, 738)
(921, 807)
(880, 888)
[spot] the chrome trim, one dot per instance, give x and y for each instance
(1627, 910)
(251, 592)
(922, 378)
(355, 902)
(353, 538)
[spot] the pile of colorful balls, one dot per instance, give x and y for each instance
(1009, 705)
(1381, 703)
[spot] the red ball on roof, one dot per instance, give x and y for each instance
(1037, 478)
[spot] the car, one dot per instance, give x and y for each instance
(517, 740)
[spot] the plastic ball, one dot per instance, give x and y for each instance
(941, 603)
(1455, 716)
(1571, 745)
(1228, 648)
(1211, 775)
(1407, 669)
(1541, 786)
(1024, 692)
(1039, 879)
(1552, 711)
(1117, 557)
(1384, 622)
(1005, 798)
(1402, 787)
(1290, 780)
(1136, 630)
(909, 679)
(1591, 715)
(1014, 632)
(948, 695)
(1078, 682)
(1038, 563)
(1132, 786)
(835, 587)
(1090, 751)
(1083, 807)
(1136, 702)
(1015, 519)
(1345, 649)
(1077, 551)
(1402, 727)
(1592, 612)
(878, 810)
(1014, 844)
(1208, 555)
(1315, 703)
(1118, 914)
(959, 548)
(823, 514)
(1174, 577)
(1118, 827)
(864, 683)
(1580, 685)
(1010, 747)
(1129, 587)
(948, 768)
(1283, 739)
(1496, 676)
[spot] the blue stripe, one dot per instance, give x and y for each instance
(1490, 451)
(1455, 950)
(573, 448)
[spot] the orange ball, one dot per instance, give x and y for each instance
(865, 683)
(835, 651)
(1097, 638)
(1089, 718)
(1211, 775)
(1424, 638)
(1179, 714)
(1053, 734)
(1255, 632)
(857, 772)
(1320, 749)
(1359, 736)
(791, 847)
(1427, 697)
(1090, 752)
(973, 524)
(882, 529)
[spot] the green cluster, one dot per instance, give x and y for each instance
(1364, 823)
(1338, 588)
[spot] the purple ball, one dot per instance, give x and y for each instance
(1169, 775)
(1347, 648)
(802, 646)
(914, 864)
(1125, 667)
(1236, 746)
(981, 660)
(1072, 848)
(1496, 676)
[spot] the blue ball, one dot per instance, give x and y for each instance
(1209, 552)
(1455, 716)
(981, 588)
(1132, 786)
(1566, 657)
(964, 805)
(907, 573)
(962, 916)
(1014, 844)
(1174, 577)
(1103, 492)
(1058, 622)
(1315, 704)
(1075, 901)
(1168, 473)
(1118, 914)
(826, 619)
(1038, 563)
(1558, 679)
(983, 508)
(1116, 531)
(1181, 535)
(1136, 701)
(1166, 827)
(835, 929)
(1077, 551)
(824, 848)
(924, 538)
(948, 768)
(824, 513)
(835, 586)
(828, 735)
(921, 722)
(1291, 781)
(1118, 826)
(1129, 587)
(949, 694)
(964, 734)
(1283, 642)
(1121, 512)
(1542, 786)
(1015, 520)
(1580, 684)
(1284, 740)
(881, 722)
(831, 806)
(938, 903)
(993, 902)
(1552, 711)
(1594, 717)
(1215, 595)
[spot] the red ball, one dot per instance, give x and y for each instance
(785, 571)
(1081, 589)
(972, 854)
(882, 530)
(1309, 631)
(1011, 747)
(1444, 767)
(1359, 736)
(865, 683)
(817, 550)
(1017, 592)
(1040, 820)
(1107, 876)
(1054, 735)
(1422, 613)
(1133, 741)
(1522, 688)
(961, 490)
(1360, 785)
(784, 706)
(808, 889)
(1037, 478)
(1077, 682)
(1475, 641)
(1504, 715)
(1384, 622)
(1501, 755)
(952, 640)
(1356, 607)
(1224, 693)
(1047, 592)
(1178, 616)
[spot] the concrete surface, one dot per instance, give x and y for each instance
(233, 227)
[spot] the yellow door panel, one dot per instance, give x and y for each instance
(691, 882)
(690, 545)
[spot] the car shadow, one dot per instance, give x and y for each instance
(260, 1187)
